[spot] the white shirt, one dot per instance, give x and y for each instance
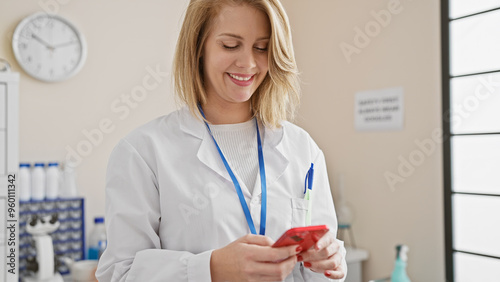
(238, 142)
(170, 200)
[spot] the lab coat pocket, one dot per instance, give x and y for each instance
(299, 211)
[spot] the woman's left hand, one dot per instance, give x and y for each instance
(324, 257)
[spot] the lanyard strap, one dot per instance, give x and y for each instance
(262, 170)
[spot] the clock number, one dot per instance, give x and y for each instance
(23, 46)
(27, 34)
(50, 23)
(37, 23)
(41, 21)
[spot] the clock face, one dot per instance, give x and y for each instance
(48, 47)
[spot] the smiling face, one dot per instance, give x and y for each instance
(235, 57)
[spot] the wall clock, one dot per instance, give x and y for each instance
(48, 47)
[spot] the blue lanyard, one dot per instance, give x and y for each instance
(263, 207)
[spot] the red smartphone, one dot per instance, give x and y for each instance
(303, 236)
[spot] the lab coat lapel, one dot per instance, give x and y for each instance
(275, 158)
(207, 152)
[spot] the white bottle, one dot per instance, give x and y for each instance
(38, 182)
(68, 189)
(24, 182)
(52, 181)
(97, 239)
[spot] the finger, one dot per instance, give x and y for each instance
(325, 241)
(269, 254)
(315, 255)
(257, 240)
(339, 273)
(275, 271)
(332, 263)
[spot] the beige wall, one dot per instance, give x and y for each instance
(126, 37)
(406, 53)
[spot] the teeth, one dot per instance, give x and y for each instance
(240, 78)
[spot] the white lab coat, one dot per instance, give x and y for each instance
(170, 200)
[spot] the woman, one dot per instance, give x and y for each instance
(185, 191)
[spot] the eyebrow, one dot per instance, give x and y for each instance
(241, 38)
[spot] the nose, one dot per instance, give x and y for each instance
(246, 59)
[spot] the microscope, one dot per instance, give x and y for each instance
(44, 265)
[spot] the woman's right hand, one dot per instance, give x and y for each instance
(251, 258)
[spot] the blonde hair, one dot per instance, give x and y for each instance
(277, 98)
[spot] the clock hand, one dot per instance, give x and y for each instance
(65, 44)
(50, 47)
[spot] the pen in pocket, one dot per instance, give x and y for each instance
(308, 192)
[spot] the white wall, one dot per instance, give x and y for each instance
(126, 37)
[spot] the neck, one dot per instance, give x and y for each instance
(227, 114)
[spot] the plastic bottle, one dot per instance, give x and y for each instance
(52, 181)
(68, 188)
(399, 272)
(38, 182)
(24, 182)
(97, 239)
